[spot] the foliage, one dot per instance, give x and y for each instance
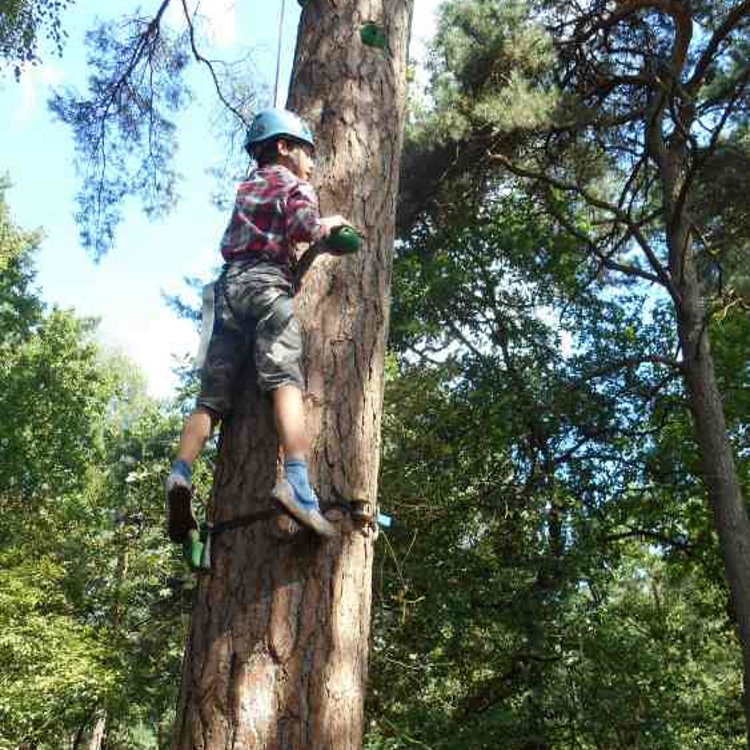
(480, 643)
(552, 580)
(58, 360)
(125, 126)
(92, 593)
(19, 307)
(23, 23)
(124, 134)
(554, 507)
(582, 132)
(54, 669)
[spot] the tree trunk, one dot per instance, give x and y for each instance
(278, 649)
(77, 741)
(717, 461)
(718, 468)
(97, 731)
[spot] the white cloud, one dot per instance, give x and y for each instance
(221, 21)
(218, 18)
(423, 26)
(151, 339)
(34, 80)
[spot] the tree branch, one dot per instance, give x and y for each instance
(730, 23)
(151, 29)
(648, 535)
(628, 362)
(200, 58)
(598, 124)
(673, 8)
(633, 227)
(604, 258)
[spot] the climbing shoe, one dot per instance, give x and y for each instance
(180, 518)
(308, 514)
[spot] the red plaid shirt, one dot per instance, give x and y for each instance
(273, 211)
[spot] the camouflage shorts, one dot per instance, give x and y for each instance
(253, 316)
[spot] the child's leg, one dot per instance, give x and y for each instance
(196, 431)
(278, 355)
(227, 349)
(296, 494)
(198, 428)
(289, 413)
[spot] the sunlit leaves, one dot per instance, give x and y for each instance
(88, 621)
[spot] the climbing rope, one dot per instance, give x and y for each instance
(278, 55)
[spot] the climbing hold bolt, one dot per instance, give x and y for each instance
(384, 521)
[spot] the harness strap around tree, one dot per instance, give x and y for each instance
(248, 519)
(197, 548)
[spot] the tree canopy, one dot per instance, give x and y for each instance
(575, 188)
(24, 27)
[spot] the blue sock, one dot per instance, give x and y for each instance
(295, 471)
(183, 469)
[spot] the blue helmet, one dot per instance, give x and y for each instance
(276, 123)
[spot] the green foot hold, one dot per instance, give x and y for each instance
(196, 551)
(373, 35)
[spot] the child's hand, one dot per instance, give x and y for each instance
(333, 222)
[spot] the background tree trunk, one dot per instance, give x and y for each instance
(717, 460)
(278, 649)
(718, 467)
(97, 732)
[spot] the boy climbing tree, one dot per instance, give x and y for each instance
(275, 208)
(279, 637)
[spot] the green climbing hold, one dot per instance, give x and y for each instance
(373, 35)
(192, 549)
(344, 240)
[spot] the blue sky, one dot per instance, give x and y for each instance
(125, 288)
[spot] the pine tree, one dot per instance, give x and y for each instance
(278, 652)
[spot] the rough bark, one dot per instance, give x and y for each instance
(278, 648)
